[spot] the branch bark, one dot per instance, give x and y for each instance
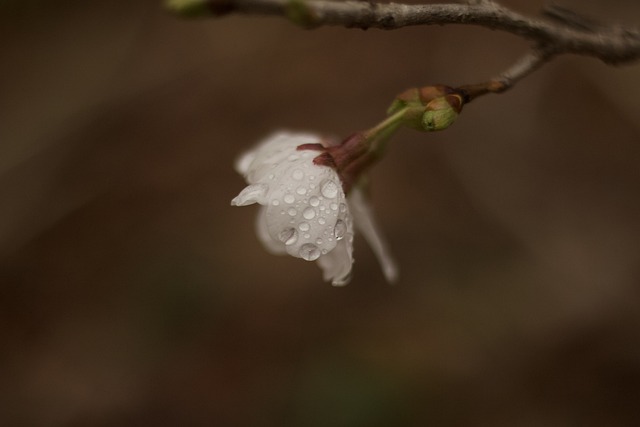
(612, 44)
(563, 32)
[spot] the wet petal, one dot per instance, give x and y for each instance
(254, 193)
(365, 222)
(271, 245)
(298, 203)
(274, 155)
(336, 265)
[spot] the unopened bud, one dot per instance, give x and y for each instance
(428, 108)
(299, 12)
(441, 112)
(199, 8)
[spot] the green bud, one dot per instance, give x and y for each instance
(189, 8)
(441, 112)
(427, 108)
(396, 105)
(199, 8)
(298, 12)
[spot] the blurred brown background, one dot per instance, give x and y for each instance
(133, 294)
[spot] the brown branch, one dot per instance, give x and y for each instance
(611, 44)
(524, 66)
(563, 32)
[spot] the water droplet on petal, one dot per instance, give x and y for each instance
(334, 206)
(329, 189)
(275, 202)
(314, 201)
(319, 241)
(304, 226)
(301, 190)
(309, 252)
(289, 198)
(297, 174)
(292, 212)
(340, 229)
(288, 236)
(309, 213)
(321, 220)
(343, 208)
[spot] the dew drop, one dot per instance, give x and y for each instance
(340, 229)
(307, 235)
(301, 190)
(289, 198)
(288, 236)
(275, 202)
(292, 212)
(334, 206)
(343, 208)
(314, 201)
(329, 189)
(304, 226)
(309, 213)
(321, 220)
(318, 241)
(309, 252)
(297, 174)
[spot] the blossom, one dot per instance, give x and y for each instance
(304, 209)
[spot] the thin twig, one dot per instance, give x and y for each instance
(524, 66)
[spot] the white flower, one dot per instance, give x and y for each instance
(304, 211)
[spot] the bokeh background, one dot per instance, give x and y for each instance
(133, 294)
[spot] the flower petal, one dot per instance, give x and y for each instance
(297, 202)
(254, 193)
(276, 152)
(365, 222)
(271, 245)
(336, 265)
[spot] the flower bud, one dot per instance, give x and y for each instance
(428, 108)
(441, 112)
(298, 12)
(199, 8)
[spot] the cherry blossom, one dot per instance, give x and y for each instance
(304, 210)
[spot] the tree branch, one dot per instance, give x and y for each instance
(563, 32)
(524, 66)
(566, 33)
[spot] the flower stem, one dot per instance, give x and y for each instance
(378, 135)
